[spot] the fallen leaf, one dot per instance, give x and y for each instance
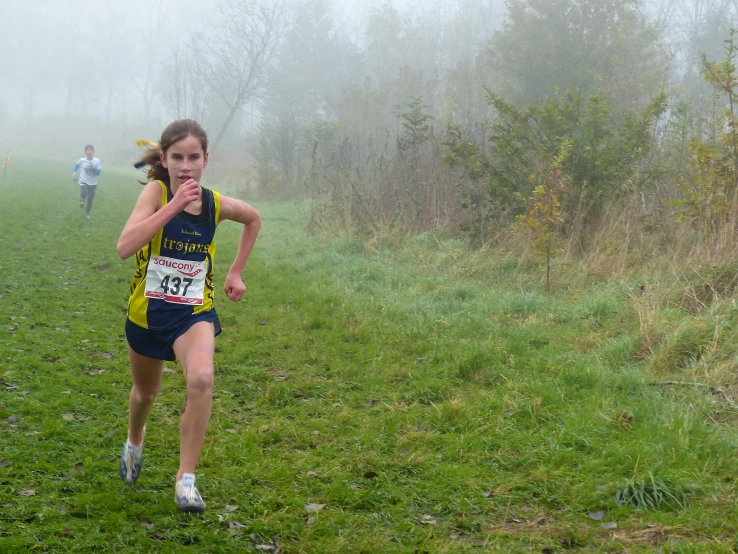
(311, 474)
(231, 508)
(426, 519)
(107, 355)
(311, 520)
(28, 492)
(609, 525)
(67, 417)
(310, 508)
(488, 494)
(274, 548)
(370, 475)
(625, 419)
(597, 516)
(12, 420)
(144, 522)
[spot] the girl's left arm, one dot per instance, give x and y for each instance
(240, 212)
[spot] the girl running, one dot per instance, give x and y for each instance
(171, 314)
(86, 172)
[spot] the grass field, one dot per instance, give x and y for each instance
(423, 400)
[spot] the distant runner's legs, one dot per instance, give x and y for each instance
(90, 197)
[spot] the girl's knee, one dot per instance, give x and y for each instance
(146, 395)
(200, 380)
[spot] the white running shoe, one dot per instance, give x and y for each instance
(130, 463)
(186, 495)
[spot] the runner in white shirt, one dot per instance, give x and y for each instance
(86, 171)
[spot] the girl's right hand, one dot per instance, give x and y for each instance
(189, 191)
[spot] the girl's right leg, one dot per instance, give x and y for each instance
(147, 375)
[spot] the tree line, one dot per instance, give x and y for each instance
(584, 125)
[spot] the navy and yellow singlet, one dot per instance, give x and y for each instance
(174, 271)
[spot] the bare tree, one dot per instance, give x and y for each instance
(148, 78)
(235, 65)
(690, 20)
(186, 92)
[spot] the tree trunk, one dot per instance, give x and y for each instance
(225, 126)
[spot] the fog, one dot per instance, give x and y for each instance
(264, 71)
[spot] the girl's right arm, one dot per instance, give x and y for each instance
(148, 216)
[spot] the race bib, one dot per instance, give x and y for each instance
(176, 281)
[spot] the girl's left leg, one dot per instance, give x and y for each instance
(195, 350)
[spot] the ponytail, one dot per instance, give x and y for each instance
(152, 159)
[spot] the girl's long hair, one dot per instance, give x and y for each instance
(175, 131)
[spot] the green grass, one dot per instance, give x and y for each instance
(424, 397)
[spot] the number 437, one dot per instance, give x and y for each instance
(173, 285)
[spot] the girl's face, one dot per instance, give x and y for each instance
(185, 160)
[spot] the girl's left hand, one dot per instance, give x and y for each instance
(234, 287)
